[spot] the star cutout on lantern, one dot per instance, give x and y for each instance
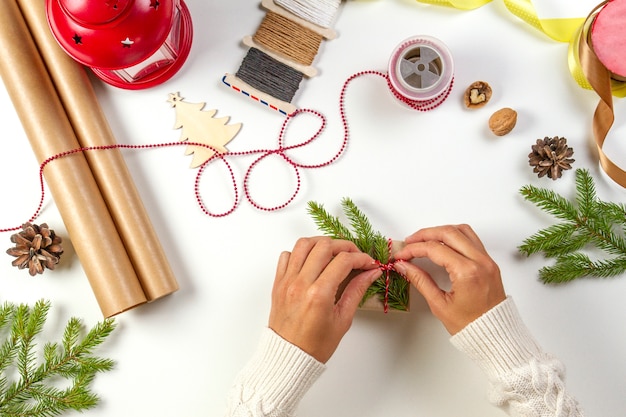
(126, 43)
(154, 4)
(174, 98)
(78, 40)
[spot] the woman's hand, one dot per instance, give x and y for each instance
(305, 310)
(476, 282)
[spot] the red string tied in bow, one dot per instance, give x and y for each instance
(387, 268)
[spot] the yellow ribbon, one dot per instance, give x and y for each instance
(458, 4)
(560, 29)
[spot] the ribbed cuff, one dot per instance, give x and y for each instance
(280, 373)
(498, 341)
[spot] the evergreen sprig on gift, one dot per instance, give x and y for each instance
(55, 379)
(586, 224)
(361, 233)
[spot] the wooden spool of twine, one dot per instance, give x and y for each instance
(288, 38)
(320, 12)
(280, 54)
(268, 75)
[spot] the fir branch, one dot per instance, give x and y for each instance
(587, 222)
(328, 224)
(551, 239)
(35, 392)
(398, 286)
(578, 265)
(585, 195)
(380, 248)
(550, 202)
(364, 234)
(613, 212)
(368, 241)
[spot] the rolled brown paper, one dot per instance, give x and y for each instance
(71, 183)
(108, 167)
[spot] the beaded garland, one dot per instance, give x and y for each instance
(280, 150)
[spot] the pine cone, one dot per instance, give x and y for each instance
(551, 156)
(36, 248)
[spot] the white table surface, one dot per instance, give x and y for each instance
(406, 170)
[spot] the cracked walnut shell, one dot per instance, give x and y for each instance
(477, 94)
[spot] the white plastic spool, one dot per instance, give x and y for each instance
(421, 68)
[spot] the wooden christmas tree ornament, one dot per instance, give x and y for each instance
(200, 126)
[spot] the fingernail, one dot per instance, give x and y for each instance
(400, 267)
(376, 273)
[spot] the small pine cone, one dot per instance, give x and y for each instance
(551, 156)
(36, 248)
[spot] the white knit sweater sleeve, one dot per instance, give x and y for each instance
(274, 381)
(525, 381)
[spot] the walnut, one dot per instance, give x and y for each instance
(477, 94)
(503, 121)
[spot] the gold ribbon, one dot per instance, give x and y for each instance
(599, 78)
(618, 88)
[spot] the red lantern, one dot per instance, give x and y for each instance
(131, 44)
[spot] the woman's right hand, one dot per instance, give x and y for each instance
(476, 281)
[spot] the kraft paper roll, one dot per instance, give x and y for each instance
(108, 167)
(71, 183)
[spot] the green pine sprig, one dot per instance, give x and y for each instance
(361, 233)
(586, 223)
(60, 380)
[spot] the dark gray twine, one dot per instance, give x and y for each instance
(270, 76)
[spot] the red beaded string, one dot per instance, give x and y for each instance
(281, 150)
(82, 150)
(422, 105)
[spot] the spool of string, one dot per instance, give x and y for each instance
(288, 38)
(421, 72)
(282, 50)
(320, 12)
(269, 75)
